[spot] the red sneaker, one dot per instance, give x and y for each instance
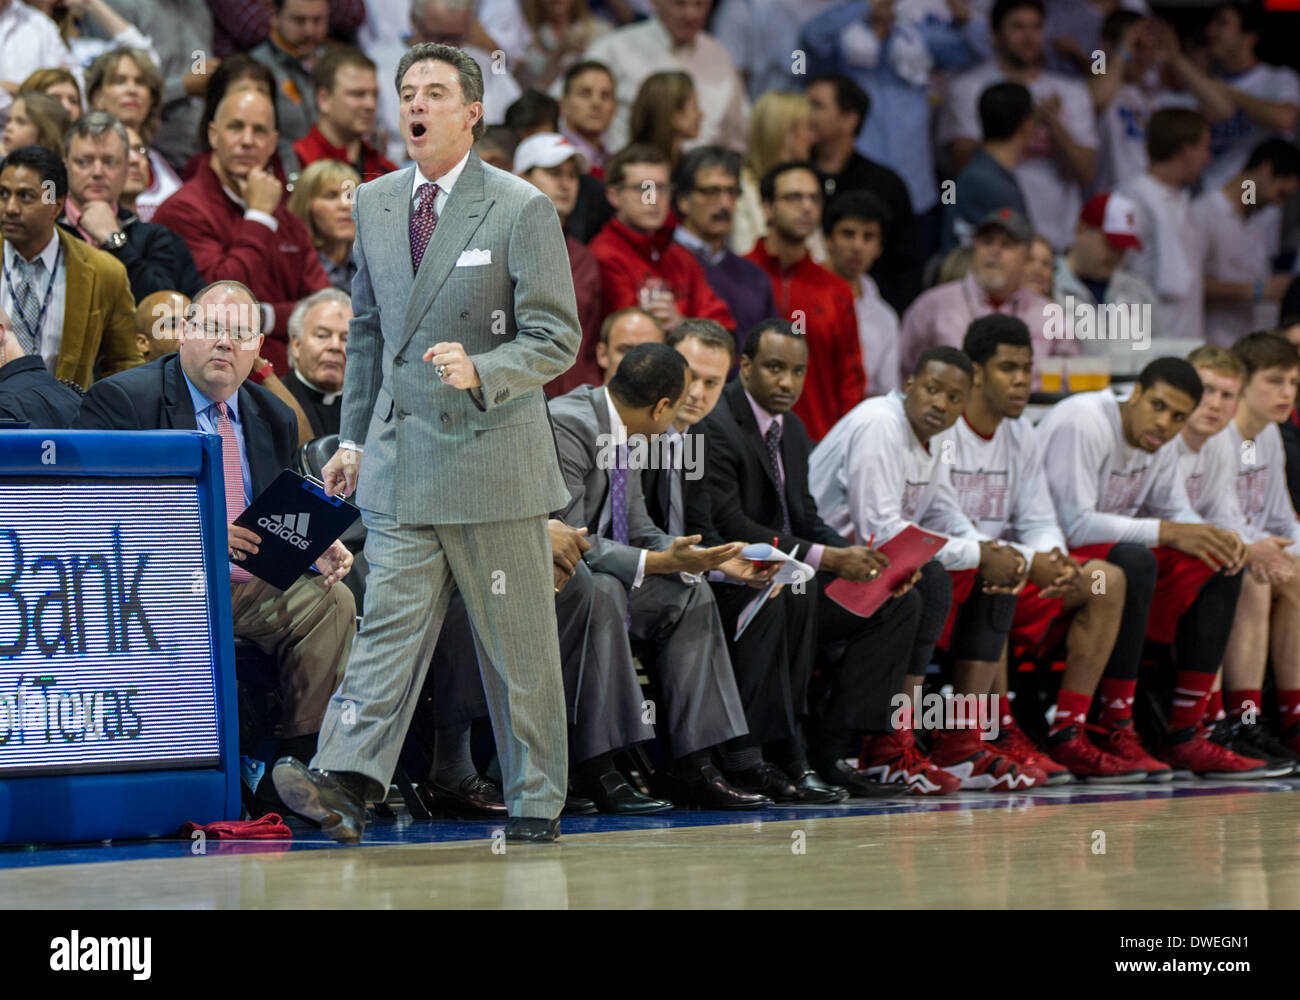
(968, 758)
(1013, 744)
(1087, 762)
(891, 757)
(1122, 742)
(1189, 750)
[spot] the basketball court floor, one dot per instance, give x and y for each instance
(1184, 845)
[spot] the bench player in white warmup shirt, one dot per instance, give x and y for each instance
(1210, 455)
(996, 469)
(1113, 481)
(875, 473)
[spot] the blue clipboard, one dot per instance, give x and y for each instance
(296, 521)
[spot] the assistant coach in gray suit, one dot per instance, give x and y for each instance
(464, 308)
(639, 568)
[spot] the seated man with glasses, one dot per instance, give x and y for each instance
(206, 386)
(640, 265)
(155, 258)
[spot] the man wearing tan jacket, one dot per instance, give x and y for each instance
(70, 303)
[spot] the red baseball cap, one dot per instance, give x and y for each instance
(1116, 216)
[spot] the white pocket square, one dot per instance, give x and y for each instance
(474, 258)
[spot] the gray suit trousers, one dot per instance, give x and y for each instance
(681, 619)
(503, 572)
(600, 685)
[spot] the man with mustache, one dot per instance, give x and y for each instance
(993, 285)
(706, 185)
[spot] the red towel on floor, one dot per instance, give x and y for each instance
(269, 827)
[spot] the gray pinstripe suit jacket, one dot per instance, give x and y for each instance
(434, 454)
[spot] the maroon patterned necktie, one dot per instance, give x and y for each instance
(423, 221)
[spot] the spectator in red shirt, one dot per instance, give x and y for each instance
(347, 101)
(640, 264)
(818, 302)
(550, 162)
(233, 215)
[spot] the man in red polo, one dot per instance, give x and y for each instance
(233, 216)
(640, 264)
(347, 100)
(818, 302)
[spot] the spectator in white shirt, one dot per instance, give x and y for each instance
(28, 41)
(558, 32)
(1246, 101)
(1171, 258)
(675, 39)
(1242, 221)
(1133, 87)
(854, 225)
(1060, 163)
(120, 31)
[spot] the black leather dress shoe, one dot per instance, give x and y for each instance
(815, 791)
(334, 799)
(579, 805)
(526, 830)
(765, 779)
(616, 796)
(710, 790)
(475, 796)
(859, 786)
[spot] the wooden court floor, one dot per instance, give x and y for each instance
(1231, 849)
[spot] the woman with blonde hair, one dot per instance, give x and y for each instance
(125, 82)
(59, 83)
(562, 31)
(779, 132)
(35, 119)
(665, 114)
(322, 198)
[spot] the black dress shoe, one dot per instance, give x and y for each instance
(334, 799)
(473, 797)
(839, 774)
(615, 795)
(765, 779)
(579, 805)
(813, 790)
(708, 789)
(527, 830)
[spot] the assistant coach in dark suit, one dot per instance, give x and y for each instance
(756, 460)
(463, 309)
(203, 386)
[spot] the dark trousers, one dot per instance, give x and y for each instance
(773, 659)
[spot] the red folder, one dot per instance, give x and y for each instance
(908, 551)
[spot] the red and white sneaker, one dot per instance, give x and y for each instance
(1014, 744)
(1122, 742)
(968, 758)
(890, 757)
(1090, 763)
(1189, 750)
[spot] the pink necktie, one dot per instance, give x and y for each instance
(423, 221)
(230, 466)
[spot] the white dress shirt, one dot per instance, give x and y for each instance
(618, 431)
(52, 328)
(636, 51)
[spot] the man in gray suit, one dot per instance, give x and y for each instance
(464, 308)
(642, 570)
